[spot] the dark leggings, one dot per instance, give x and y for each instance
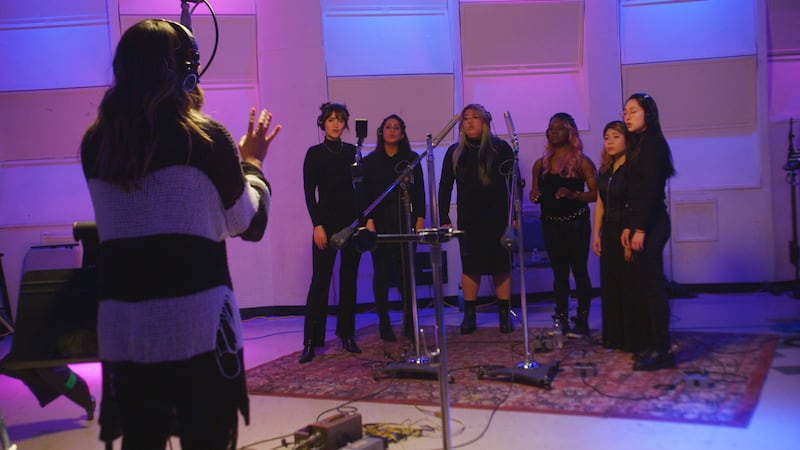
(567, 245)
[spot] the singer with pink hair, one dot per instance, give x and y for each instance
(559, 178)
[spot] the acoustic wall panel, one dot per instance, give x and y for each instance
(700, 94)
(45, 124)
(424, 102)
(55, 52)
(695, 221)
(521, 36)
(783, 19)
(160, 8)
(380, 39)
(531, 99)
(715, 162)
(673, 30)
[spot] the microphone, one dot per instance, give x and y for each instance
(509, 238)
(445, 130)
(339, 239)
(186, 16)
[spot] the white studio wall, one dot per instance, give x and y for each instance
(723, 73)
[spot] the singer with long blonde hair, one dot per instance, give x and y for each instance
(479, 165)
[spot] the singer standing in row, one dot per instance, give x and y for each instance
(559, 178)
(169, 186)
(647, 223)
(624, 315)
(392, 156)
(332, 204)
(479, 164)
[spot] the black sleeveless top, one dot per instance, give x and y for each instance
(562, 208)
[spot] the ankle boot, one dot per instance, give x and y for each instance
(504, 311)
(469, 325)
(308, 353)
(581, 327)
(385, 327)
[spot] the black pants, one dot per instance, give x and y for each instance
(317, 300)
(567, 245)
(648, 267)
(388, 259)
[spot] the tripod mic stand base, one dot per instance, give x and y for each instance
(528, 373)
(411, 369)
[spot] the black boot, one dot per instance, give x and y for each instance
(581, 327)
(385, 327)
(563, 324)
(350, 345)
(504, 311)
(469, 325)
(656, 360)
(308, 353)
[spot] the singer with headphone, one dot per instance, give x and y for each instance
(391, 157)
(559, 178)
(479, 165)
(168, 187)
(646, 223)
(328, 183)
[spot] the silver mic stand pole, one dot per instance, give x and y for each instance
(527, 371)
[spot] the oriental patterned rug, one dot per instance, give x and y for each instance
(717, 382)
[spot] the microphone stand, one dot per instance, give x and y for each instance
(527, 371)
(434, 237)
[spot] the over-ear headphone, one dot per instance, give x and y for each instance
(187, 56)
(397, 118)
(647, 104)
(478, 106)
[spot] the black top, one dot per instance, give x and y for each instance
(482, 210)
(549, 183)
(609, 186)
(380, 171)
(328, 184)
(647, 169)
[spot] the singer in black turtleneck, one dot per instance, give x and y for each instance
(391, 158)
(331, 202)
(480, 165)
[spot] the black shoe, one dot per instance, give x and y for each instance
(641, 354)
(387, 334)
(349, 344)
(308, 354)
(655, 361)
(90, 409)
(469, 324)
(504, 316)
(579, 330)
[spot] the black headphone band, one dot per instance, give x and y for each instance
(187, 56)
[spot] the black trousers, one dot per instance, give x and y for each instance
(388, 259)
(567, 245)
(317, 300)
(648, 268)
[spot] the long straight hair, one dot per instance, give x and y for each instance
(652, 131)
(145, 102)
(486, 149)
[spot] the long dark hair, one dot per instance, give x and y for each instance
(145, 102)
(652, 130)
(403, 146)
